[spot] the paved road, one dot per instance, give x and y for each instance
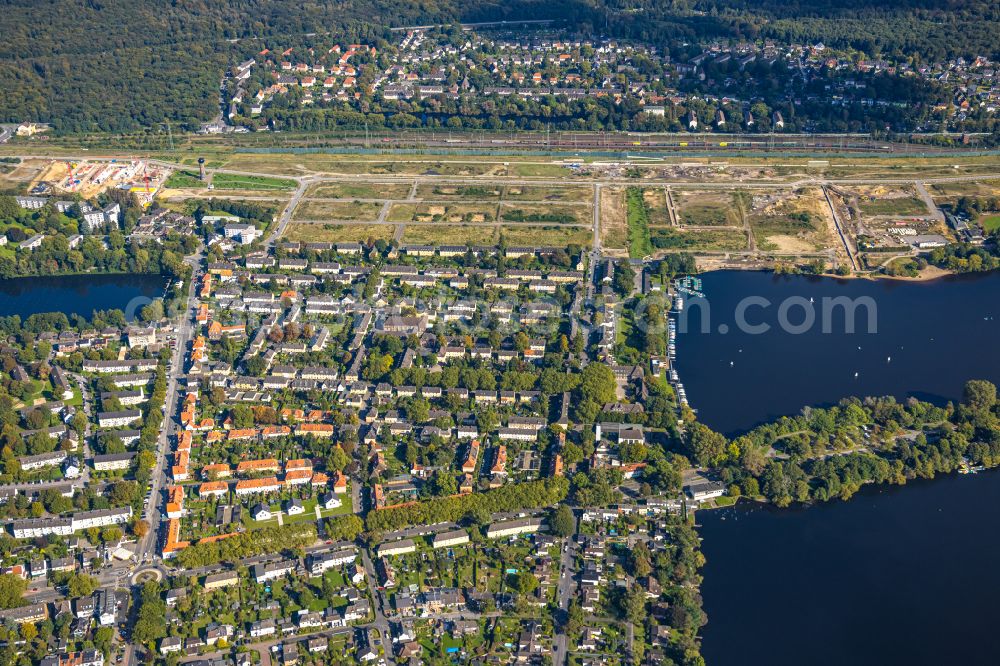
(381, 623)
(565, 225)
(88, 409)
(153, 513)
(356, 500)
(286, 215)
(564, 592)
(114, 576)
(936, 213)
(185, 331)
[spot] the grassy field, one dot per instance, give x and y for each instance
(539, 170)
(425, 234)
(614, 227)
(893, 206)
(639, 244)
(707, 209)
(949, 190)
(211, 164)
(990, 223)
(797, 232)
(553, 236)
(337, 210)
(538, 193)
(277, 164)
(359, 191)
(693, 241)
(229, 181)
(546, 213)
(184, 178)
(338, 233)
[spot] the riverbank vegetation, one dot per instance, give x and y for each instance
(829, 453)
(966, 258)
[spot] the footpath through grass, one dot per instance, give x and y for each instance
(639, 244)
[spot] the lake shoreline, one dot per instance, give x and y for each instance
(90, 273)
(868, 485)
(79, 294)
(721, 357)
(929, 274)
(854, 575)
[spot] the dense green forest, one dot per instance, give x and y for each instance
(924, 29)
(822, 454)
(120, 65)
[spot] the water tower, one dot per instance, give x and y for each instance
(201, 167)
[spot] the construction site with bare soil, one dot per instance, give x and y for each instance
(87, 179)
(852, 213)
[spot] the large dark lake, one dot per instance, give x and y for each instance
(931, 337)
(899, 575)
(77, 294)
(896, 575)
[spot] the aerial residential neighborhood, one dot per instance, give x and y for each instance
(710, 89)
(257, 466)
(564, 334)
